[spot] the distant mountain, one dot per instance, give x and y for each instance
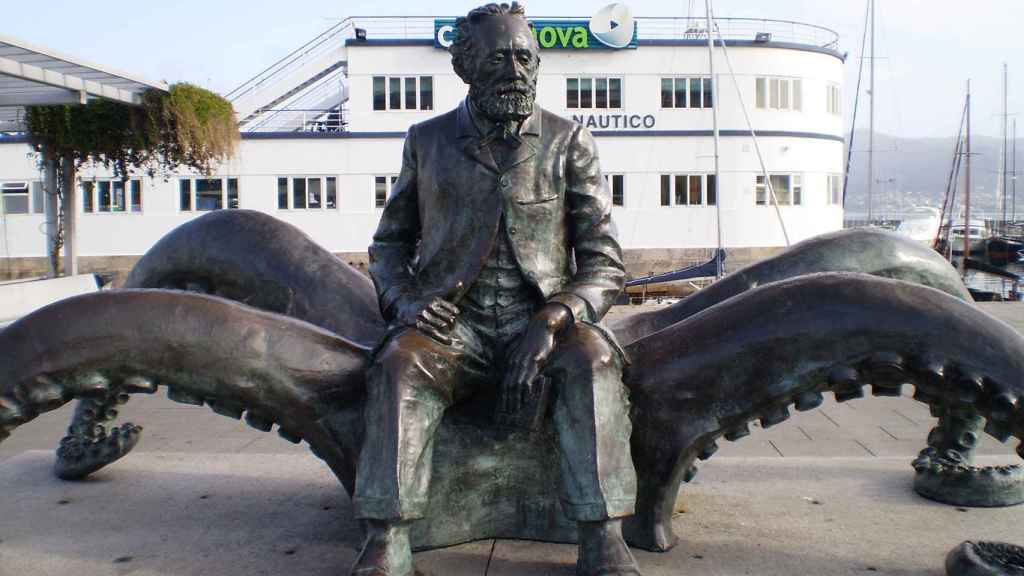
(913, 172)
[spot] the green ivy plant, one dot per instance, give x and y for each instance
(186, 126)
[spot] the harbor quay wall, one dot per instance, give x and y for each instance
(639, 262)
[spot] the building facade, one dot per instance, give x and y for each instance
(323, 131)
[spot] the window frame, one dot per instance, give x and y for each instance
(396, 91)
(290, 180)
(834, 189)
(611, 178)
(593, 92)
(704, 95)
(389, 182)
(794, 187)
(226, 185)
(90, 188)
(833, 99)
(779, 93)
(687, 179)
(35, 197)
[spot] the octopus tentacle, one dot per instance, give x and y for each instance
(242, 255)
(945, 471)
(753, 356)
(206, 350)
(865, 250)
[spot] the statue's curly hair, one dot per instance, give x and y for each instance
(464, 45)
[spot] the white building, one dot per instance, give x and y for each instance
(323, 131)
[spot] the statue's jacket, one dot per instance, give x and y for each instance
(443, 215)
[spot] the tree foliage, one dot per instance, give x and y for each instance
(184, 127)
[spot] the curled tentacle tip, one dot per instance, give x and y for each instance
(182, 397)
(809, 400)
(690, 473)
(708, 451)
(139, 385)
(775, 416)
(738, 432)
(970, 387)
(1005, 406)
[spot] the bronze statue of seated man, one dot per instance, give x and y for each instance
(494, 260)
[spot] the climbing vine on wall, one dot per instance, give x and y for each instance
(186, 126)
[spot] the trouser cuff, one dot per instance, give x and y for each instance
(369, 508)
(597, 511)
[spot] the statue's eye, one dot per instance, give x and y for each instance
(498, 58)
(524, 58)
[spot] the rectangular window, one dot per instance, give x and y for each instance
(834, 191)
(307, 192)
(136, 195)
(103, 196)
(395, 93)
(688, 189)
(314, 188)
(601, 87)
(617, 182)
(615, 92)
(572, 92)
(15, 197)
(780, 94)
(788, 189)
(379, 96)
(410, 93)
(686, 92)
(381, 188)
(282, 193)
(185, 195)
(233, 193)
(299, 193)
(600, 92)
(117, 203)
(205, 194)
(833, 102)
(680, 97)
(586, 93)
(667, 92)
(426, 92)
(86, 190)
(209, 194)
(696, 190)
(332, 193)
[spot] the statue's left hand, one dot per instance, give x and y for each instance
(531, 354)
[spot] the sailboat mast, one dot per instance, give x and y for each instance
(967, 189)
(714, 119)
(871, 117)
(1005, 148)
(1013, 211)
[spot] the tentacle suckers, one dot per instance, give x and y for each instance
(755, 355)
(275, 369)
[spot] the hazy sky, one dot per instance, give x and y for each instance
(927, 49)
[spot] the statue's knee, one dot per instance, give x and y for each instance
(411, 361)
(584, 349)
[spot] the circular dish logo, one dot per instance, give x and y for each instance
(613, 26)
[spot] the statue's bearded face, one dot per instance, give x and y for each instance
(504, 83)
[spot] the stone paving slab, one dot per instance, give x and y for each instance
(162, 514)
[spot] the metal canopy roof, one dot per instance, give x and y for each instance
(33, 75)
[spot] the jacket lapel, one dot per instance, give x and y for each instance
(529, 135)
(470, 138)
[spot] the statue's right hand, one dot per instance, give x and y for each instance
(434, 319)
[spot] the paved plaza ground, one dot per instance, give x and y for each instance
(826, 493)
